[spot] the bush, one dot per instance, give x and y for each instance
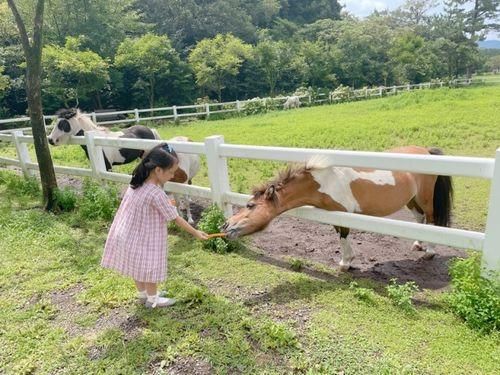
(20, 185)
(98, 202)
(363, 294)
(275, 336)
(211, 221)
(296, 264)
(402, 294)
(65, 199)
(474, 298)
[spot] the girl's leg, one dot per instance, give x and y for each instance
(141, 291)
(141, 286)
(151, 288)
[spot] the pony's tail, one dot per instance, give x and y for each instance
(443, 196)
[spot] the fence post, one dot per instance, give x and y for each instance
(136, 113)
(94, 118)
(218, 173)
(310, 99)
(491, 248)
(22, 153)
(408, 87)
(440, 84)
(96, 156)
(176, 116)
(208, 110)
(238, 106)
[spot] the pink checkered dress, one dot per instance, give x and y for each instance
(137, 241)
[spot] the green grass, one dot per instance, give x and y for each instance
(58, 312)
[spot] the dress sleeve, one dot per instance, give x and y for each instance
(163, 205)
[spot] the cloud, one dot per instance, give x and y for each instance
(363, 8)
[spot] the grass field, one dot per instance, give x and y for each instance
(460, 121)
(61, 313)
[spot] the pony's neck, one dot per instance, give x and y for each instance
(86, 123)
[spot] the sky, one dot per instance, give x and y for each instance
(362, 8)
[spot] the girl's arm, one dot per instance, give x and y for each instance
(188, 228)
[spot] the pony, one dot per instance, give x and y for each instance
(291, 102)
(74, 122)
(365, 191)
(189, 165)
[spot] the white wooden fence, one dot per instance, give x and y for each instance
(217, 152)
(205, 110)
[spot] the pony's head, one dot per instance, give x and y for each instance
(70, 121)
(256, 215)
(289, 189)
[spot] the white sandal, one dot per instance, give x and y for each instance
(157, 301)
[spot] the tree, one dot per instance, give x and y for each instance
(272, 58)
(411, 59)
(303, 12)
(100, 25)
(151, 56)
(493, 64)
(478, 16)
(214, 60)
(33, 53)
(188, 21)
(72, 74)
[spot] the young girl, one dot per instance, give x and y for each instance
(137, 241)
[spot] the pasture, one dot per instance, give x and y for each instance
(62, 313)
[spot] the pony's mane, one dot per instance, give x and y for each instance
(290, 172)
(85, 122)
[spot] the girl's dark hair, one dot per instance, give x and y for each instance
(162, 156)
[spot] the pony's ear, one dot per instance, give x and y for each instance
(270, 192)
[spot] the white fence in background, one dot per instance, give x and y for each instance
(217, 153)
(177, 113)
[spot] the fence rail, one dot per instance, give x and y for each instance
(217, 152)
(207, 109)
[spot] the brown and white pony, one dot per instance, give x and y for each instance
(357, 190)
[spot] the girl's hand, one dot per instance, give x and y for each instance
(200, 235)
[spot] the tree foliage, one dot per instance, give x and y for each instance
(172, 52)
(214, 60)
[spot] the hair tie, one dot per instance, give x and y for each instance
(168, 148)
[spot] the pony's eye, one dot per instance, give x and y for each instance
(250, 205)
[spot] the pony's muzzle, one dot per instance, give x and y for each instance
(51, 141)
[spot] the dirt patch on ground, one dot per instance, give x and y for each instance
(69, 312)
(377, 257)
(181, 365)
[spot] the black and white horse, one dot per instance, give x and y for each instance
(73, 122)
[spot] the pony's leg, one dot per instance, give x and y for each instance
(423, 215)
(419, 218)
(429, 250)
(187, 201)
(347, 255)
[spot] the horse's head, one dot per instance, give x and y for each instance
(66, 125)
(258, 212)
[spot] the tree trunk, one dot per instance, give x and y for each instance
(33, 55)
(33, 90)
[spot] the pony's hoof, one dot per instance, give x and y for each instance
(417, 246)
(428, 256)
(344, 267)
(191, 222)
